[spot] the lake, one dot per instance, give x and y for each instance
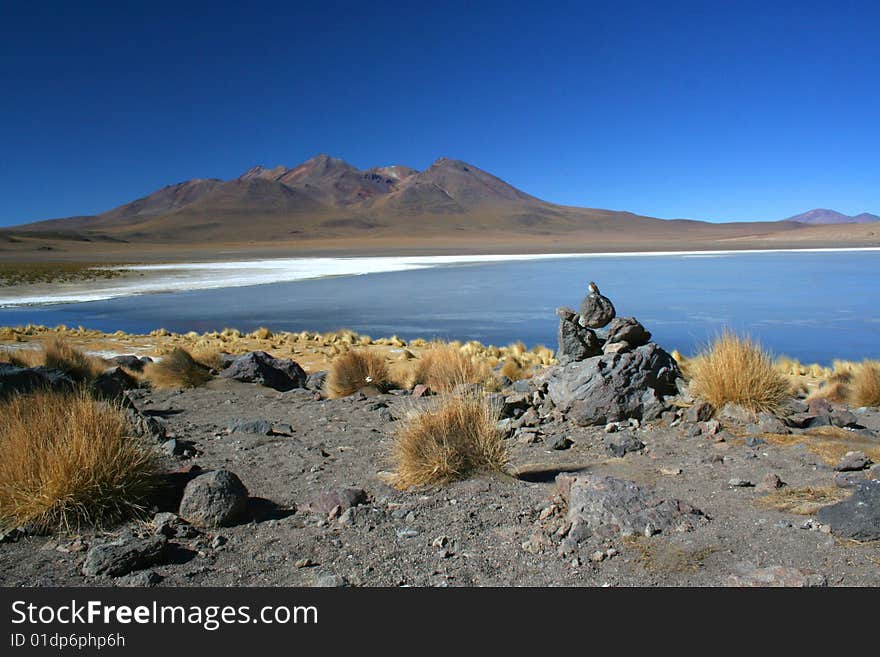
(814, 306)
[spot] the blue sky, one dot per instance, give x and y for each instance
(704, 110)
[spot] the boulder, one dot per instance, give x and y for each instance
(124, 555)
(575, 342)
(605, 506)
(144, 425)
(19, 380)
(620, 444)
(258, 427)
(857, 517)
(700, 411)
(260, 367)
(629, 330)
(112, 383)
(596, 310)
(214, 499)
(615, 387)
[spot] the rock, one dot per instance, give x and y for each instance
(519, 401)
(609, 388)
(629, 330)
(523, 385)
(848, 479)
(324, 579)
(561, 443)
(740, 483)
(596, 310)
(214, 499)
(258, 427)
(616, 347)
(769, 483)
(844, 419)
(606, 506)
(141, 579)
(112, 383)
(315, 380)
(131, 362)
(421, 390)
(15, 380)
(621, 444)
(857, 517)
(260, 367)
(852, 462)
(710, 428)
(736, 413)
(172, 447)
(575, 342)
(700, 411)
(776, 576)
(768, 423)
(124, 555)
(145, 426)
(343, 499)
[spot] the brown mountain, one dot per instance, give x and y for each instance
(823, 216)
(326, 203)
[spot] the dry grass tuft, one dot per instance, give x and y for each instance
(354, 370)
(444, 366)
(67, 460)
(177, 369)
(210, 357)
(829, 443)
(58, 354)
(802, 501)
(513, 370)
(865, 390)
(453, 439)
(736, 369)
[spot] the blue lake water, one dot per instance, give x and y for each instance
(812, 306)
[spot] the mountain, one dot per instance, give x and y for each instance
(327, 204)
(823, 216)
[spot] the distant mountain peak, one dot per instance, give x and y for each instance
(826, 216)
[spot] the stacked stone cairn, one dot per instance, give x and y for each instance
(609, 370)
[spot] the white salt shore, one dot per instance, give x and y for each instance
(152, 279)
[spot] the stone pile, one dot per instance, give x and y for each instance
(609, 370)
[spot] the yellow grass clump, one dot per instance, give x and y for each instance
(736, 369)
(354, 370)
(444, 366)
(68, 460)
(177, 369)
(450, 441)
(865, 390)
(58, 354)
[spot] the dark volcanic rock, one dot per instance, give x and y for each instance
(620, 444)
(259, 427)
(133, 363)
(629, 330)
(124, 555)
(260, 367)
(857, 517)
(27, 379)
(144, 425)
(575, 342)
(214, 499)
(615, 387)
(607, 506)
(112, 383)
(596, 310)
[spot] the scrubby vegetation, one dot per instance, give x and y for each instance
(67, 460)
(455, 438)
(54, 272)
(444, 366)
(866, 384)
(177, 369)
(59, 354)
(355, 370)
(736, 369)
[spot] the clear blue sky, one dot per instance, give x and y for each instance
(706, 110)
